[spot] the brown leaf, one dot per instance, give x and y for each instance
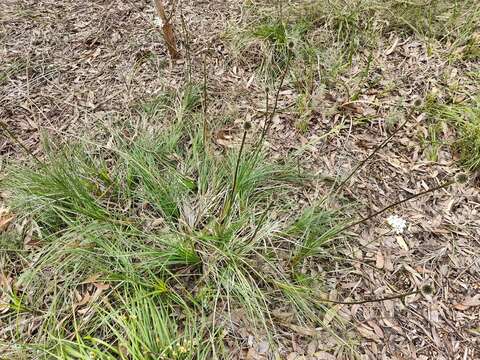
(368, 333)
(302, 330)
(312, 346)
(91, 279)
(323, 355)
(393, 47)
(89, 297)
(292, 356)
(6, 218)
(380, 260)
(252, 354)
(468, 303)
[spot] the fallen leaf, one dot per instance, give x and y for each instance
(474, 331)
(302, 330)
(252, 354)
(380, 260)
(323, 355)
(401, 242)
(468, 303)
(368, 333)
(292, 356)
(6, 218)
(312, 346)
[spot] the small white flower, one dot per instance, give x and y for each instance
(158, 22)
(397, 223)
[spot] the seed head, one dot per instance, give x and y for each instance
(427, 290)
(291, 45)
(461, 178)
(417, 102)
(247, 125)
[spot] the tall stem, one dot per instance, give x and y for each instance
(372, 154)
(268, 123)
(388, 207)
(231, 196)
(205, 104)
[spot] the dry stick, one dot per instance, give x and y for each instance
(187, 45)
(167, 28)
(19, 142)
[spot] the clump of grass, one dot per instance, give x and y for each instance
(174, 230)
(162, 232)
(141, 325)
(464, 118)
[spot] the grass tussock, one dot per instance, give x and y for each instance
(464, 120)
(175, 236)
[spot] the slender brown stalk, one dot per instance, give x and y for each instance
(268, 123)
(396, 296)
(262, 220)
(231, 196)
(237, 166)
(265, 124)
(186, 42)
(372, 154)
(297, 258)
(205, 101)
(388, 207)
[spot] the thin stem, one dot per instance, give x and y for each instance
(19, 142)
(414, 196)
(187, 45)
(297, 258)
(377, 149)
(264, 131)
(262, 220)
(396, 296)
(268, 123)
(237, 166)
(205, 126)
(231, 196)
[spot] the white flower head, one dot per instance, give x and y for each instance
(158, 22)
(397, 223)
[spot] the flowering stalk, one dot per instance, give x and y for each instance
(392, 297)
(298, 257)
(269, 119)
(377, 149)
(388, 207)
(230, 198)
(205, 125)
